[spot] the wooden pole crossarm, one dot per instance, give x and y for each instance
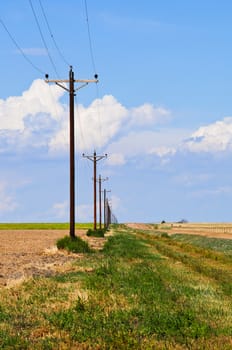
(75, 80)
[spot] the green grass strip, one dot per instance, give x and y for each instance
(132, 274)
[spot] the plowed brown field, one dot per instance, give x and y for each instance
(33, 253)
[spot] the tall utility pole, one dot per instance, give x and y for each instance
(100, 180)
(94, 159)
(71, 91)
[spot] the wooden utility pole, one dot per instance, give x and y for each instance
(100, 180)
(71, 81)
(94, 159)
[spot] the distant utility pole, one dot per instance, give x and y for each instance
(100, 180)
(94, 159)
(71, 91)
(105, 207)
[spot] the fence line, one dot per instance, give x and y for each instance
(110, 218)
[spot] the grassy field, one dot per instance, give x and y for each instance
(43, 226)
(142, 291)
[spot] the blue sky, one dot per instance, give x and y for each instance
(162, 109)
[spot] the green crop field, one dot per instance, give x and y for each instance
(42, 226)
(144, 290)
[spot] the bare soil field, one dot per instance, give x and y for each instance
(30, 253)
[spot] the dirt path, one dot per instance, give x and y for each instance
(33, 253)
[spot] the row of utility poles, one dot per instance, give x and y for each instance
(94, 158)
(100, 180)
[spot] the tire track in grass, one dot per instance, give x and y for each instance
(194, 289)
(211, 264)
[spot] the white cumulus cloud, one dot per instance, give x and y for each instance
(215, 137)
(161, 143)
(39, 98)
(38, 120)
(163, 151)
(116, 159)
(148, 114)
(95, 125)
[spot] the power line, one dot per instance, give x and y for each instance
(81, 128)
(42, 37)
(52, 36)
(98, 109)
(79, 122)
(89, 37)
(93, 62)
(20, 49)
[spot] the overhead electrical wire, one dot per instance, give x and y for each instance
(52, 36)
(93, 63)
(98, 109)
(79, 120)
(43, 39)
(86, 164)
(20, 49)
(89, 36)
(80, 128)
